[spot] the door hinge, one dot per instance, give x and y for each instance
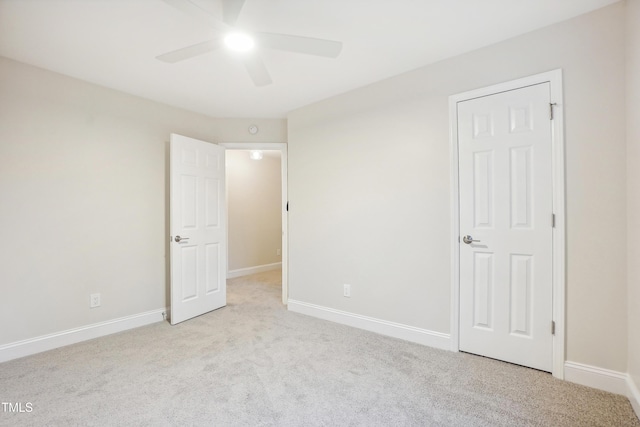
(551, 104)
(553, 327)
(553, 220)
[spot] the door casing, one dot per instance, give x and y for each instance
(558, 242)
(282, 147)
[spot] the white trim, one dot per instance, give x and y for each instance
(397, 330)
(559, 233)
(633, 394)
(559, 284)
(282, 147)
(232, 274)
(71, 336)
(604, 379)
(592, 376)
(455, 225)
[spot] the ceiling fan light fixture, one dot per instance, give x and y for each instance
(239, 42)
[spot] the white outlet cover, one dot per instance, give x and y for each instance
(347, 290)
(94, 301)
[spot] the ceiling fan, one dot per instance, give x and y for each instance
(244, 41)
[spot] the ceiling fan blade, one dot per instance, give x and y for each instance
(257, 70)
(231, 10)
(189, 51)
(299, 44)
(198, 13)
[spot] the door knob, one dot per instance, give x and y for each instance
(469, 240)
(178, 239)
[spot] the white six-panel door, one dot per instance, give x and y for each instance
(505, 190)
(197, 228)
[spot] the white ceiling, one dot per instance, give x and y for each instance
(114, 43)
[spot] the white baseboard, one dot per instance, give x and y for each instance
(592, 376)
(71, 336)
(604, 379)
(397, 330)
(633, 393)
(232, 274)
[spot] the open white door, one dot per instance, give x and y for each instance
(197, 228)
(506, 226)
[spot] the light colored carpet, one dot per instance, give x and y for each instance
(253, 363)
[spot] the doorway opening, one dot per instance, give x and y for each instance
(257, 209)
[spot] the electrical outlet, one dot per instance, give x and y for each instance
(278, 252)
(94, 301)
(346, 290)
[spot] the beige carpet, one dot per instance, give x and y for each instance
(255, 364)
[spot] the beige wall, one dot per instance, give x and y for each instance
(633, 184)
(83, 207)
(84, 194)
(254, 195)
(370, 194)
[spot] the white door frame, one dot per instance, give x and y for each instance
(282, 147)
(558, 245)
